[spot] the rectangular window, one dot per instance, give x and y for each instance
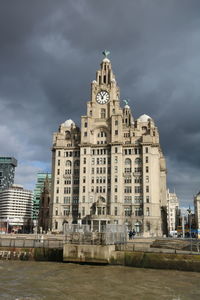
(146, 159)
(84, 160)
(127, 211)
(83, 199)
(83, 211)
(85, 124)
(147, 189)
(147, 169)
(116, 149)
(116, 132)
(116, 122)
(84, 170)
(58, 171)
(85, 133)
(66, 211)
(138, 189)
(115, 211)
(146, 149)
(66, 200)
(58, 153)
(127, 189)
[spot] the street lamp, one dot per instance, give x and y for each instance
(189, 221)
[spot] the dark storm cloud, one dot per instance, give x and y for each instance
(50, 51)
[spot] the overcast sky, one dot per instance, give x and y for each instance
(50, 51)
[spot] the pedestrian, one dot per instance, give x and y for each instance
(130, 235)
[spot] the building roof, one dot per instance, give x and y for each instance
(106, 60)
(144, 118)
(68, 123)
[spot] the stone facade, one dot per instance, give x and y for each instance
(173, 212)
(43, 219)
(113, 169)
(197, 211)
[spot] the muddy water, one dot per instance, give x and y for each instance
(46, 280)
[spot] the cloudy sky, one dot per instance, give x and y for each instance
(50, 51)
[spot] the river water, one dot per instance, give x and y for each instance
(54, 281)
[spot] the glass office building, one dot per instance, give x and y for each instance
(7, 171)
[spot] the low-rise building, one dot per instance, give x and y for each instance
(15, 208)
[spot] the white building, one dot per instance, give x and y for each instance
(16, 206)
(172, 210)
(197, 211)
(113, 169)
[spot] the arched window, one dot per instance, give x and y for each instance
(68, 163)
(138, 161)
(76, 163)
(128, 162)
(67, 134)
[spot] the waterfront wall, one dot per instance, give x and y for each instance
(87, 253)
(183, 262)
(37, 254)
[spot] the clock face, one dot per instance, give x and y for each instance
(103, 97)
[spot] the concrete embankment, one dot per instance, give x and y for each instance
(183, 262)
(138, 253)
(37, 254)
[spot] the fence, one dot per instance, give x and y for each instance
(25, 242)
(110, 234)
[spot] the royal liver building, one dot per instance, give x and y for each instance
(112, 170)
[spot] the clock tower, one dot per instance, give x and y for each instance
(101, 151)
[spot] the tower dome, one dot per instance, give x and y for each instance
(144, 118)
(68, 123)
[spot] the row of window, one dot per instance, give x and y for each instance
(130, 151)
(127, 199)
(68, 190)
(70, 153)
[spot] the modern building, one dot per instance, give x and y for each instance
(197, 212)
(112, 170)
(173, 211)
(44, 219)
(15, 208)
(41, 177)
(7, 171)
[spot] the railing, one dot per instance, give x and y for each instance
(110, 234)
(26, 242)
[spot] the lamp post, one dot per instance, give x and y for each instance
(189, 221)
